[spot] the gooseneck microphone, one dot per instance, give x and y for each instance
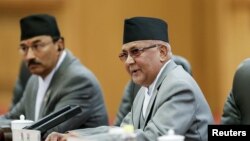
(47, 118)
(54, 119)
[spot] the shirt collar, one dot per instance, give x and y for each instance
(151, 87)
(49, 77)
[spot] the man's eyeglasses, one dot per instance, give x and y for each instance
(36, 47)
(134, 52)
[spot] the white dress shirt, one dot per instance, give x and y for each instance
(149, 91)
(44, 84)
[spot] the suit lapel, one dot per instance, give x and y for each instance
(53, 84)
(137, 111)
(33, 95)
(151, 104)
(69, 58)
(43, 108)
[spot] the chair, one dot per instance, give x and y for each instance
(179, 60)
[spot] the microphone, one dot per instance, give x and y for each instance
(54, 119)
(47, 118)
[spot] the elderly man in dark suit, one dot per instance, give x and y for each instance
(58, 79)
(169, 97)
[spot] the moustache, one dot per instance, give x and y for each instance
(33, 62)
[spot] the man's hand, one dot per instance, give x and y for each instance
(54, 136)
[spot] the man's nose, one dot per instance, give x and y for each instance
(30, 54)
(129, 60)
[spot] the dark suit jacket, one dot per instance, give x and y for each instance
(72, 84)
(237, 105)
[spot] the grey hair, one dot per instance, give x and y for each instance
(167, 45)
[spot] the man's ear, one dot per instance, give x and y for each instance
(60, 43)
(163, 53)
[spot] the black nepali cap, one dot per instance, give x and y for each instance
(145, 28)
(39, 24)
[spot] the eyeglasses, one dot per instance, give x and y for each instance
(134, 52)
(36, 47)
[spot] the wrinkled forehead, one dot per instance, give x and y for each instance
(141, 43)
(36, 39)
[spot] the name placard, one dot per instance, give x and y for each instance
(26, 135)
